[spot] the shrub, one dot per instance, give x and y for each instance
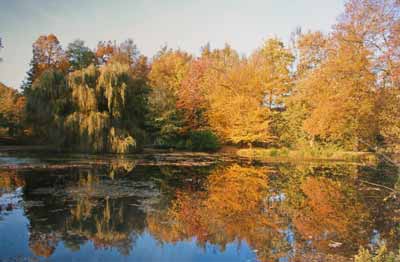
(202, 141)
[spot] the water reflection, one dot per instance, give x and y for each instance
(97, 205)
(293, 212)
(234, 206)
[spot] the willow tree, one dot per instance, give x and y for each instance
(109, 108)
(93, 110)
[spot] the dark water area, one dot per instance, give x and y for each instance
(191, 207)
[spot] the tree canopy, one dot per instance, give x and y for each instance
(338, 88)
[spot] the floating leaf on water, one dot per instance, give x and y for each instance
(334, 244)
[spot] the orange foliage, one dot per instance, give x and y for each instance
(104, 51)
(191, 97)
(47, 53)
(42, 245)
(234, 206)
(330, 211)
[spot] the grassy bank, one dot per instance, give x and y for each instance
(306, 154)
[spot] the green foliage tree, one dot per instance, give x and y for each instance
(48, 103)
(79, 55)
(168, 70)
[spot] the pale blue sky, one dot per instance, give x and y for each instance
(185, 24)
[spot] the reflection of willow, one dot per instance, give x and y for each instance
(107, 222)
(234, 206)
(95, 212)
(41, 243)
(121, 166)
(107, 225)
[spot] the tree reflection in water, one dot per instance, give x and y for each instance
(331, 211)
(286, 210)
(234, 206)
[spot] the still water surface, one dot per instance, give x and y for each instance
(190, 207)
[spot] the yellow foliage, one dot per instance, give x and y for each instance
(234, 206)
(389, 116)
(330, 209)
(101, 98)
(235, 106)
(340, 97)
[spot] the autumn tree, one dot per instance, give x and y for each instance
(168, 70)
(360, 59)
(104, 51)
(205, 74)
(236, 111)
(47, 54)
(388, 105)
(376, 25)
(310, 51)
(11, 110)
(272, 62)
(191, 95)
(235, 96)
(334, 99)
(340, 94)
(126, 53)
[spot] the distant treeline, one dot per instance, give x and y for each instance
(340, 88)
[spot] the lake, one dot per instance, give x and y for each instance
(191, 207)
